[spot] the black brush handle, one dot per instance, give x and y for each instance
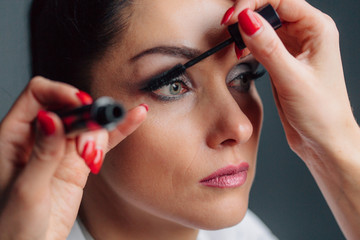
(103, 113)
(267, 12)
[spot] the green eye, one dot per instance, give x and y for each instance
(174, 89)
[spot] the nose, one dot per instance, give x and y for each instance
(229, 125)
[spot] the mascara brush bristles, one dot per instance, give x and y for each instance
(164, 78)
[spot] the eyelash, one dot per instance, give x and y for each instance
(182, 79)
(184, 85)
(247, 77)
(159, 83)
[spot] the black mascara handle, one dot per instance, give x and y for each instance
(267, 12)
(105, 112)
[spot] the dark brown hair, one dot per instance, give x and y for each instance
(67, 36)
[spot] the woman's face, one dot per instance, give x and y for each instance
(205, 121)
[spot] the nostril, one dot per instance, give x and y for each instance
(229, 142)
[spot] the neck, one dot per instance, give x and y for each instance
(106, 216)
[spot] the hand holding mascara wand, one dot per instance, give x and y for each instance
(103, 113)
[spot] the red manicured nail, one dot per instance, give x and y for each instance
(89, 153)
(46, 123)
(227, 15)
(239, 52)
(97, 162)
(145, 106)
(84, 97)
(249, 22)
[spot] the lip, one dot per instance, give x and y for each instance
(227, 177)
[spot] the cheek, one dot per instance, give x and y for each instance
(155, 158)
(161, 163)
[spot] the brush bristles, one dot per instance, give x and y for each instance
(165, 78)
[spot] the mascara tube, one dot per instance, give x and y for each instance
(267, 12)
(105, 112)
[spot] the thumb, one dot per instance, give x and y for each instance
(265, 45)
(133, 119)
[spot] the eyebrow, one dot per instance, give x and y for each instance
(182, 52)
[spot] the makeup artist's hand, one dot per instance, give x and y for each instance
(41, 172)
(305, 67)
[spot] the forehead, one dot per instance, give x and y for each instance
(191, 23)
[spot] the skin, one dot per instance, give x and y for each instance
(182, 141)
(42, 176)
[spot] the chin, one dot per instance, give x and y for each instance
(219, 214)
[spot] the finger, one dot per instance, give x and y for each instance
(267, 48)
(288, 10)
(132, 121)
(30, 193)
(91, 147)
(290, 133)
(17, 128)
(43, 93)
(47, 153)
(303, 25)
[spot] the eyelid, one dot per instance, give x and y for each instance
(239, 69)
(169, 98)
(167, 78)
(183, 78)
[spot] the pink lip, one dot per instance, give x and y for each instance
(227, 177)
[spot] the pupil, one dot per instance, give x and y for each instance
(175, 87)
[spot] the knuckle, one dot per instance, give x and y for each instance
(329, 28)
(36, 81)
(270, 49)
(33, 85)
(21, 193)
(43, 153)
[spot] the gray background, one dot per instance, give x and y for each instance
(284, 195)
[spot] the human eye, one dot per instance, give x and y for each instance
(241, 76)
(172, 91)
(168, 87)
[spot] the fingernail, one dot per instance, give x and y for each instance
(97, 162)
(227, 15)
(84, 97)
(249, 22)
(88, 153)
(46, 123)
(145, 106)
(239, 52)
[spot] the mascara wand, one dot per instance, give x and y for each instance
(268, 12)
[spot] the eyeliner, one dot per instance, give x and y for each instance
(105, 112)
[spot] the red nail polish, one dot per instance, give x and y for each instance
(84, 97)
(227, 15)
(88, 153)
(46, 123)
(239, 52)
(249, 22)
(97, 162)
(145, 106)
